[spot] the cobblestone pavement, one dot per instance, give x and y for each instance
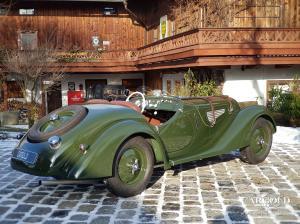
(218, 190)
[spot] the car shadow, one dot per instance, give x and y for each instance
(205, 162)
(177, 169)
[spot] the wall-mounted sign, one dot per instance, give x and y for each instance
(75, 97)
(26, 11)
(71, 86)
(163, 27)
(108, 11)
(95, 41)
(106, 44)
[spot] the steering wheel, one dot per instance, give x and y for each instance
(141, 105)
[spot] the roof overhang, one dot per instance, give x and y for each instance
(70, 1)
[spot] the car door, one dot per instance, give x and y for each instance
(178, 133)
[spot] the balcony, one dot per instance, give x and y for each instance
(204, 47)
(218, 47)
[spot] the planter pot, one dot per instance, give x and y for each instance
(9, 118)
(281, 119)
(294, 122)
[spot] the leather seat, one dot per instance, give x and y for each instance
(127, 104)
(97, 101)
(120, 103)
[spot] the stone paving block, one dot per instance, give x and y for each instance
(86, 208)
(191, 211)
(4, 221)
(33, 219)
(191, 219)
(106, 210)
(41, 211)
(126, 214)
(3, 210)
(264, 220)
(79, 217)
(23, 208)
(60, 214)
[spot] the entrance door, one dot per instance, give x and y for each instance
(94, 88)
(54, 98)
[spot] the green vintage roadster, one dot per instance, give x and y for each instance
(122, 142)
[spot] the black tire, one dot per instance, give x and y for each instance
(78, 113)
(121, 188)
(260, 142)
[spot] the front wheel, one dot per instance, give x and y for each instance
(260, 142)
(133, 168)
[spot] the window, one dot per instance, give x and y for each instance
(14, 90)
(28, 40)
(3, 11)
(28, 12)
(108, 11)
(132, 84)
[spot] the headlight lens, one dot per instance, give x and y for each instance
(54, 142)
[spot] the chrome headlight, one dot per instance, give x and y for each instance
(54, 142)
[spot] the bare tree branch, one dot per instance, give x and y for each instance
(31, 68)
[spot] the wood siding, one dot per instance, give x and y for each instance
(70, 26)
(240, 14)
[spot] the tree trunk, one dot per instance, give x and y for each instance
(5, 97)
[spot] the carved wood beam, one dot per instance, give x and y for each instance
(133, 12)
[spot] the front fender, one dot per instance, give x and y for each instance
(99, 160)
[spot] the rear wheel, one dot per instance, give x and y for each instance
(260, 142)
(133, 168)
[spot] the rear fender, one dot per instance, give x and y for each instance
(98, 162)
(238, 134)
(245, 121)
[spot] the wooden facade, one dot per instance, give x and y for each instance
(235, 14)
(70, 26)
(257, 34)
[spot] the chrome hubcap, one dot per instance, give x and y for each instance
(260, 141)
(134, 166)
(54, 117)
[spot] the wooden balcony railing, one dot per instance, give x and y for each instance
(209, 44)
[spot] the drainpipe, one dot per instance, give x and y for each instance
(125, 2)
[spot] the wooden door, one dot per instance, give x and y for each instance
(54, 98)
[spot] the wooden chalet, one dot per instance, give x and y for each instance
(152, 42)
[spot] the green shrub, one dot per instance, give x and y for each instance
(287, 103)
(192, 88)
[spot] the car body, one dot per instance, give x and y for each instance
(176, 130)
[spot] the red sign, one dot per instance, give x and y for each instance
(75, 97)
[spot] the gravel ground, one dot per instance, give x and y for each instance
(217, 190)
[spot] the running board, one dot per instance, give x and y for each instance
(69, 182)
